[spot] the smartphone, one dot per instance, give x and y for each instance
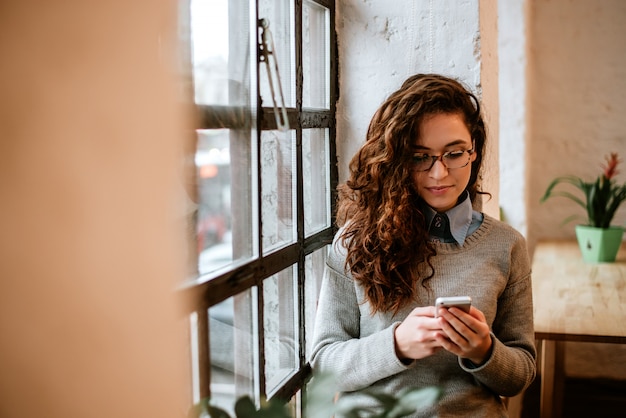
(461, 302)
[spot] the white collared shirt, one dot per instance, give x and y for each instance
(463, 219)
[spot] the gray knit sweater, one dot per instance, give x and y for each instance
(493, 268)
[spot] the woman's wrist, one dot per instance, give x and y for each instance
(483, 359)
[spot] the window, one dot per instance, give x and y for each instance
(264, 192)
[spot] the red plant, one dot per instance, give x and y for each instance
(610, 170)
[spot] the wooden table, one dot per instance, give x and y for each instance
(573, 301)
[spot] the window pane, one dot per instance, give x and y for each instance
(314, 271)
(277, 189)
(280, 326)
(233, 358)
(220, 51)
(280, 14)
(315, 55)
(225, 215)
(236, 173)
(316, 177)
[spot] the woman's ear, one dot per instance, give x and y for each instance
(474, 154)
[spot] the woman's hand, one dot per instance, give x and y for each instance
(416, 336)
(466, 335)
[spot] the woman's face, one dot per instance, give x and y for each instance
(441, 187)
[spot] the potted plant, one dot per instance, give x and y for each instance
(599, 241)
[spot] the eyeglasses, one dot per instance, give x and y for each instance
(450, 159)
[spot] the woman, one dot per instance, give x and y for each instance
(409, 234)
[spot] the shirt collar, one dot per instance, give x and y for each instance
(460, 218)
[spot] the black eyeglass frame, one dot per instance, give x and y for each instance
(434, 158)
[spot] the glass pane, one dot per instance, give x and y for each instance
(315, 55)
(277, 188)
(220, 51)
(280, 15)
(316, 187)
(225, 204)
(233, 353)
(280, 324)
(313, 273)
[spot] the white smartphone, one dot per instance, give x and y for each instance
(461, 302)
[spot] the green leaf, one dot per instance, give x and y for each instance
(385, 400)
(204, 408)
(574, 181)
(389, 406)
(601, 198)
(245, 408)
(591, 209)
(195, 411)
(618, 196)
(319, 401)
(215, 412)
(570, 196)
(574, 217)
(274, 408)
(320, 396)
(413, 400)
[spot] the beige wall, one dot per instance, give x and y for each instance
(489, 71)
(89, 240)
(576, 112)
(577, 101)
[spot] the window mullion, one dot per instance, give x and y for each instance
(304, 118)
(259, 343)
(204, 353)
(300, 185)
(334, 94)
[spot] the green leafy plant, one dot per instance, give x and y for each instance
(601, 198)
(244, 408)
(320, 404)
(388, 406)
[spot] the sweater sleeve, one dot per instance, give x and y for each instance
(511, 367)
(355, 361)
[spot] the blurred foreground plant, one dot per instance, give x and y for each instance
(319, 404)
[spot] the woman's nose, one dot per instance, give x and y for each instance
(438, 170)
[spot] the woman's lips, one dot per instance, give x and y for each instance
(438, 190)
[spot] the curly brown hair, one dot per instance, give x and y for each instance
(384, 229)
